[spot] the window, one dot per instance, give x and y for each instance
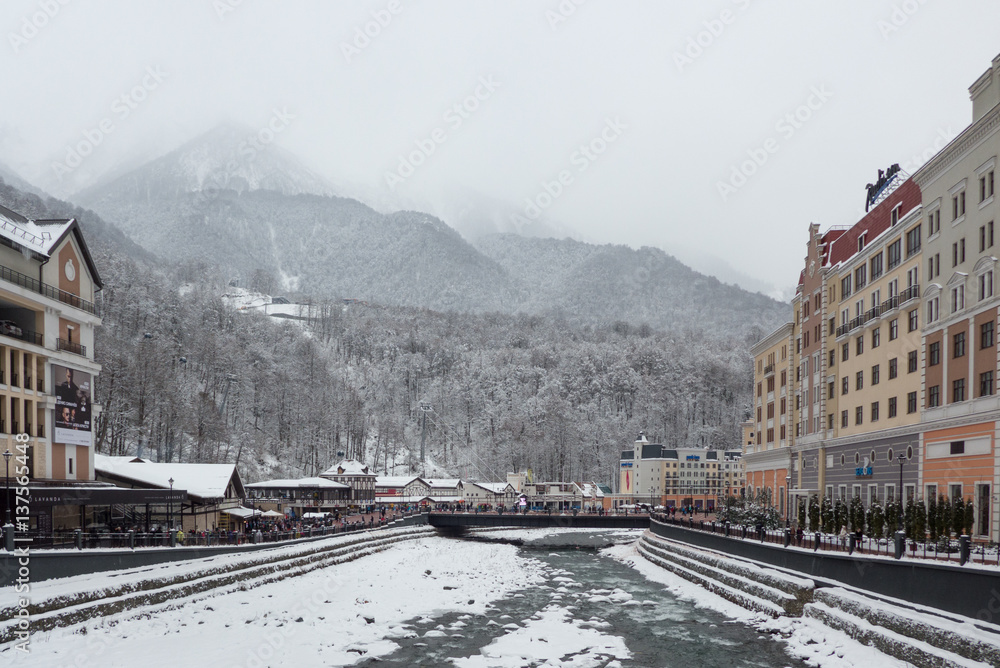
(958, 205)
(876, 266)
(845, 351)
(875, 374)
(933, 266)
(833, 357)
(892, 407)
(934, 396)
(829, 421)
(830, 389)
(876, 335)
(859, 345)
(934, 354)
(986, 335)
(893, 368)
(845, 287)
(844, 386)
(957, 298)
(874, 411)
(860, 277)
(958, 344)
(986, 285)
(893, 329)
(958, 390)
(911, 361)
(894, 255)
(894, 216)
(986, 384)
(859, 380)
(913, 242)
(986, 186)
(933, 223)
(859, 415)
(914, 322)
(932, 310)
(843, 419)
(70, 465)
(831, 327)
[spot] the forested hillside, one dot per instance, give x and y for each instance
(188, 378)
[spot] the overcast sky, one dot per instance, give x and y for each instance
(670, 97)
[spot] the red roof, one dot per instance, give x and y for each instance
(874, 223)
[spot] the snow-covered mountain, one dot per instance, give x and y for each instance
(228, 157)
(271, 225)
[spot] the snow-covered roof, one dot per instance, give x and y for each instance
(395, 481)
(300, 482)
(494, 487)
(347, 467)
(242, 512)
(450, 483)
(205, 481)
(40, 236)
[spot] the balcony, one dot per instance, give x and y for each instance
(769, 370)
(890, 304)
(912, 292)
(36, 285)
(69, 346)
(29, 336)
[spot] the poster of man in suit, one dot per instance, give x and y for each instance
(73, 399)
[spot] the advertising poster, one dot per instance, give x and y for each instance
(73, 400)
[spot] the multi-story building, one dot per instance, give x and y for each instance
(766, 452)
(48, 284)
(960, 354)
(355, 475)
(894, 341)
(680, 477)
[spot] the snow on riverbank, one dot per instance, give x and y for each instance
(806, 639)
(330, 617)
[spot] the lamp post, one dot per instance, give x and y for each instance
(170, 506)
(8, 528)
(901, 458)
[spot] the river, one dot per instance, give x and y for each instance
(590, 610)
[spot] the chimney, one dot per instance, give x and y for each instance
(985, 92)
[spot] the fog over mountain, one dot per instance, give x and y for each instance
(274, 226)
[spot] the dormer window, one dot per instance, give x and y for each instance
(894, 216)
(861, 242)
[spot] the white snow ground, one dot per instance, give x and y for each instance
(320, 618)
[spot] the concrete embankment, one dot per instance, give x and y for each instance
(67, 601)
(920, 635)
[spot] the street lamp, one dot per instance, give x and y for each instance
(788, 500)
(170, 506)
(901, 458)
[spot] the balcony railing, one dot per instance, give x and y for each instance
(909, 293)
(769, 370)
(29, 336)
(890, 304)
(69, 346)
(36, 285)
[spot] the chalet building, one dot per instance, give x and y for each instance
(295, 498)
(203, 496)
(402, 489)
(884, 384)
(492, 494)
(355, 475)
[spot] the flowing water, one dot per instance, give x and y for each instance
(591, 611)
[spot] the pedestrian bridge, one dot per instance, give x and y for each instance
(537, 521)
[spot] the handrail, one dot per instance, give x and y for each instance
(36, 285)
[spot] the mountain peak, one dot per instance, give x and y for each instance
(229, 156)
